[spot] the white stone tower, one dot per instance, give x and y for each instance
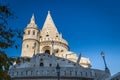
(30, 39)
(49, 41)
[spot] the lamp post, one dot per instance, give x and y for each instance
(103, 56)
(58, 71)
(106, 68)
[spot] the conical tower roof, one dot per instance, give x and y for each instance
(32, 19)
(49, 27)
(32, 23)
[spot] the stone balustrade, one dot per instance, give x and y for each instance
(51, 71)
(54, 39)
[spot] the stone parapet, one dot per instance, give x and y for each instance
(64, 72)
(54, 39)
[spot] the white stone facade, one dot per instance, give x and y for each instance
(44, 66)
(46, 49)
(48, 40)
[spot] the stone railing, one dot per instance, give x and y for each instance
(51, 71)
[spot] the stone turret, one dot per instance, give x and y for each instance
(30, 39)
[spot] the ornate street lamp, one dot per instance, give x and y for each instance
(103, 56)
(106, 68)
(58, 71)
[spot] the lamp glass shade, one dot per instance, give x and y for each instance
(102, 54)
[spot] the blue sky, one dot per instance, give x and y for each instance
(89, 26)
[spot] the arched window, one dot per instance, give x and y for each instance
(47, 51)
(34, 32)
(40, 36)
(81, 73)
(27, 46)
(95, 75)
(17, 73)
(21, 73)
(86, 73)
(61, 50)
(57, 50)
(70, 73)
(26, 72)
(29, 32)
(75, 73)
(90, 73)
(41, 64)
(65, 73)
(47, 35)
(41, 59)
(50, 65)
(12, 73)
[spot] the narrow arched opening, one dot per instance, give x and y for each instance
(47, 51)
(41, 64)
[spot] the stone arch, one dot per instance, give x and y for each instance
(50, 64)
(46, 49)
(57, 50)
(41, 64)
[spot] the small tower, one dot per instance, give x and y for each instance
(30, 43)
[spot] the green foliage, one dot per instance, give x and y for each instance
(28, 59)
(22, 60)
(7, 35)
(7, 39)
(5, 63)
(18, 60)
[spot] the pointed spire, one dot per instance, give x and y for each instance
(32, 19)
(48, 12)
(32, 23)
(49, 26)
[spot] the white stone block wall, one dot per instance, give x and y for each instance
(64, 72)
